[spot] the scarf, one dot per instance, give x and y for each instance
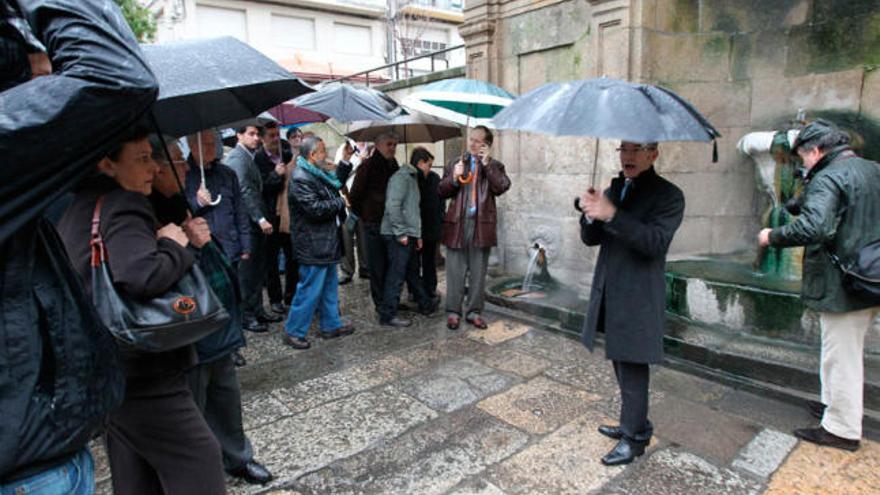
(325, 176)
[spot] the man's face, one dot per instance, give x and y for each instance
(271, 139)
(387, 147)
(476, 141)
(250, 138)
(208, 152)
(810, 157)
(295, 139)
(165, 182)
(635, 158)
(318, 157)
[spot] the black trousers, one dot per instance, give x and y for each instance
(395, 274)
(251, 273)
(422, 270)
(276, 243)
(377, 262)
(158, 441)
(217, 393)
(633, 380)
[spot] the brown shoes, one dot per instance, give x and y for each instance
(478, 322)
(453, 322)
(820, 436)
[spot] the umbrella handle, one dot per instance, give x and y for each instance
(216, 201)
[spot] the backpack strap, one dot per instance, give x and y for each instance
(99, 250)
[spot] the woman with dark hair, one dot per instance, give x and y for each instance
(157, 441)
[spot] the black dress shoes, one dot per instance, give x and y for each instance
(611, 431)
(269, 318)
(278, 308)
(253, 472)
(623, 453)
(238, 360)
(820, 436)
(252, 325)
(396, 322)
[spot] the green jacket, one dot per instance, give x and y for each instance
(402, 215)
(841, 210)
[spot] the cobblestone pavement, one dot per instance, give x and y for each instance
(507, 410)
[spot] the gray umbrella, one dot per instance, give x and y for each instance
(347, 103)
(608, 109)
(411, 127)
(206, 83)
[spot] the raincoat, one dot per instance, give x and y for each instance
(59, 374)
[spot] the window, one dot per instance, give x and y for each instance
(217, 21)
(293, 32)
(352, 39)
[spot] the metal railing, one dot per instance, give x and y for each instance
(408, 71)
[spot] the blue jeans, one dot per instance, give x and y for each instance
(74, 477)
(318, 288)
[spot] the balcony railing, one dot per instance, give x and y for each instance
(437, 58)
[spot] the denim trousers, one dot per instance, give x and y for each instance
(318, 289)
(74, 477)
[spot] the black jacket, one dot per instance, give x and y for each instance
(141, 266)
(628, 297)
(316, 214)
(431, 206)
(228, 219)
(273, 184)
(59, 375)
(368, 191)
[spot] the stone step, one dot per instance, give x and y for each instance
(782, 370)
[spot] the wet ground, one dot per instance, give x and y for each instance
(507, 410)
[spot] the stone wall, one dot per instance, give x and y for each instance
(746, 64)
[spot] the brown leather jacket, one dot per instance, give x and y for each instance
(493, 181)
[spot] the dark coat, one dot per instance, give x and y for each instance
(628, 297)
(840, 209)
(368, 190)
(431, 207)
(141, 266)
(228, 219)
(100, 85)
(493, 181)
(273, 184)
(316, 214)
(250, 182)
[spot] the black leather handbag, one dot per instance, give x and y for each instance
(861, 275)
(185, 314)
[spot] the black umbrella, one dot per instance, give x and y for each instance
(607, 109)
(347, 103)
(205, 83)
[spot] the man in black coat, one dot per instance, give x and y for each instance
(633, 221)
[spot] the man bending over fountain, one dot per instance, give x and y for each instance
(633, 221)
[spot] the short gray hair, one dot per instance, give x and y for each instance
(309, 145)
(156, 140)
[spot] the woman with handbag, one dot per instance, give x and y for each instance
(157, 441)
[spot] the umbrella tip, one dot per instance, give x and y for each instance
(714, 151)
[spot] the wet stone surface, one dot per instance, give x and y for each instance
(507, 410)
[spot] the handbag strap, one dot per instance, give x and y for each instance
(99, 250)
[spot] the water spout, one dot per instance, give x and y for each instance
(537, 267)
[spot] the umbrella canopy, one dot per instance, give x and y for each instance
(607, 109)
(258, 121)
(205, 83)
(347, 103)
(466, 102)
(411, 127)
(288, 113)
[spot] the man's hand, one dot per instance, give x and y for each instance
(485, 154)
(197, 231)
(203, 196)
(403, 240)
(174, 232)
(265, 226)
(419, 244)
(245, 256)
(280, 169)
(458, 170)
(347, 152)
(764, 237)
(597, 206)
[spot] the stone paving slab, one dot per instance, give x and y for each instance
(498, 332)
(434, 352)
(431, 459)
(477, 487)
(305, 442)
(709, 433)
(564, 462)
(814, 470)
(511, 361)
(262, 409)
(539, 405)
(549, 346)
(328, 388)
(765, 453)
(674, 471)
(456, 384)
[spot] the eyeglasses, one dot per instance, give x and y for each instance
(635, 149)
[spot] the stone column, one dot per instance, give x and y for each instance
(478, 32)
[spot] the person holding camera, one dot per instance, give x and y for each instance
(469, 228)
